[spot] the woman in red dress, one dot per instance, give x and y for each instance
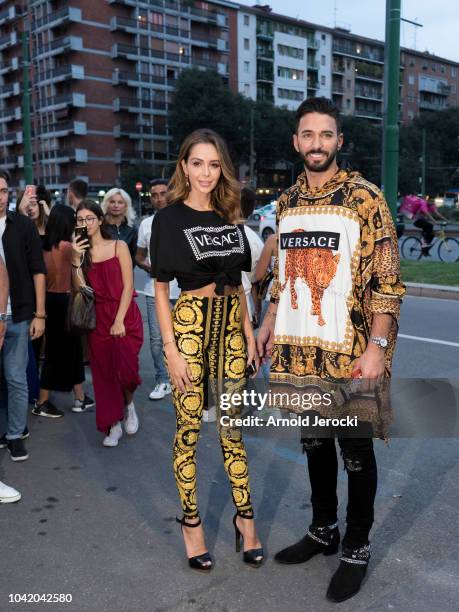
(115, 344)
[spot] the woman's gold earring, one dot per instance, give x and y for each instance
(187, 181)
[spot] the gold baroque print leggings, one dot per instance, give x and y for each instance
(208, 333)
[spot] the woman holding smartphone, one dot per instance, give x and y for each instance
(196, 240)
(115, 344)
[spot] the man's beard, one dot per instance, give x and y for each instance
(325, 165)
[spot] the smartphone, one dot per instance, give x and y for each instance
(251, 369)
(81, 233)
(31, 191)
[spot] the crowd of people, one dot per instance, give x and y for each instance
(325, 292)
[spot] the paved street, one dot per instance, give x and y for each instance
(99, 523)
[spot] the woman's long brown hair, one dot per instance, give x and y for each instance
(225, 198)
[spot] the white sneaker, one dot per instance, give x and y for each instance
(160, 391)
(114, 436)
(8, 495)
(131, 423)
(209, 415)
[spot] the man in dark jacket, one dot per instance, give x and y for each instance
(20, 248)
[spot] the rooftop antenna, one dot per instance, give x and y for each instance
(335, 11)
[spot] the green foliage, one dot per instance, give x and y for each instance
(203, 99)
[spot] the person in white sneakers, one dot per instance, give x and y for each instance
(8, 495)
(162, 387)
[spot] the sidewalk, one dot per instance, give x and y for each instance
(446, 292)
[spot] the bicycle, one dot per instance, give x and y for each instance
(447, 249)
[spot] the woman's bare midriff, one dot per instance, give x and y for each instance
(209, 291)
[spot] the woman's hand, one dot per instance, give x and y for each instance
(23, 207)
(252, 354)
(178, 368)
(117, 329)
(79, 246)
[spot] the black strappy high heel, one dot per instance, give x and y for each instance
(253, 557)
(200, 562)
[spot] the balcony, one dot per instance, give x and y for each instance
(61, 156)
(58, 46)
(264, 34)
(209, 42)
(10, 114)
(434, 87)
(10, 90)
(136, 105)
(351, 50)
(205, 16)
(11, 138)
(368, 93)
(434, 105)
(123, 24)
(62, 128)
(77, 100)
(8, 41)
(57, 18)
(313, 64)
(61, 73)
(131, 52)
(136, 79)
(368, 72)
(313, 84)
(10, 66)
(313, 43)
(265, 53)
(137, 132)
(337, 88)
(8, 14)
(368, 114)
(135, 3)
(338, 68)
(9, 162)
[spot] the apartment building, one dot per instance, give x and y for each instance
(102, 77)
(280, 59)
(430, 83)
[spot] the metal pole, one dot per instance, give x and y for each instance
(423, 163)
(252, 151)
(26, 128)
(391, 86)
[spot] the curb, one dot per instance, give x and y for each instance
(445, 292)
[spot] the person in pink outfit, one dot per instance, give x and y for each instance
(115, 343)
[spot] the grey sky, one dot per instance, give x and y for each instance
(440, 19)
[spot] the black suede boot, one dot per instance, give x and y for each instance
(318, 540)
(348, 577)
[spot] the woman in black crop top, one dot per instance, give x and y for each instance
(196, 240)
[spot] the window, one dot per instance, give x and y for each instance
(246, 44)
(323, 37)
(453, 88)
(322, 80)
(348, 83)
(246, 89)
(289, 94)
(410, 115)
(290, 73)
(246, 20)
(291, 51)
(442, 69)
(348, 64)
(323, 60)
(453, 71)
(348, 103)
(411, 79)
(246, 66)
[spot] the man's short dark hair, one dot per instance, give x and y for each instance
(158, 181)
(79, 188)
(323, 106)
(247, 202)
(5, 175)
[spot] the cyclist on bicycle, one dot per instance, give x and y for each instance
(422, 212)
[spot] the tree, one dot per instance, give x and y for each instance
(203, 100)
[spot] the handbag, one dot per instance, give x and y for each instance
(81, 314)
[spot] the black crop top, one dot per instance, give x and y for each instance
(197, 248)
